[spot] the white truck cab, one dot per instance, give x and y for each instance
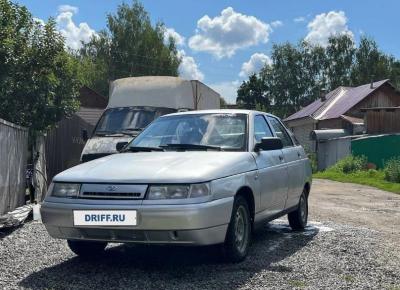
(135, 102)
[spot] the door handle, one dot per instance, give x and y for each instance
(280, 157)
(298, 154)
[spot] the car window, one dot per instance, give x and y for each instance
(261, 128)
(227, 131)
(280, 131)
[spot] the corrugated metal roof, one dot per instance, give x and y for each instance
(353, 120)
(90, 115)
(337, 102)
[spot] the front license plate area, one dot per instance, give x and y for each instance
(105, 217)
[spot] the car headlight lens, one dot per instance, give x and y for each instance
(66, 189)
(199, 190)
(168, 192)
(178, 191)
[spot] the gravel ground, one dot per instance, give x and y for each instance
(328, 255)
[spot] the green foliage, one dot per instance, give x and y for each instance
(392, 170)
(252, 92)
(354, 169)
(130, 46)
(375, 178)
(222, 103)
(350, 164)
(340, 55)
(38, 79)
(299, 73)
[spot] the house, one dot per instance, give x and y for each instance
(64, 143)
(341, 109)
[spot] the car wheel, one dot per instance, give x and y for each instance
(238, 236)
(86, 249)
(298, 218)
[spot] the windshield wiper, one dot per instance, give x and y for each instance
(191, 146)
(141, 149)
(133, 129)
(108, 134)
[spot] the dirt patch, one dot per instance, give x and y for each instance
(354, 204)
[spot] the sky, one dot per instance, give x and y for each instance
(222, 42)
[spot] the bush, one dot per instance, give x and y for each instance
(392, 170)
(350, 164)
(372, 172)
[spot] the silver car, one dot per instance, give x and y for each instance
(192, 178)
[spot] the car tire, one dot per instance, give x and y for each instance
(87, 249)
(298, 218)
(238, 236)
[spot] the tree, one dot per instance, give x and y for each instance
(39, 80)
(295, 77)
(130, 46)
(299, 73)
(340, 56)
(252, 93)
(370, 63)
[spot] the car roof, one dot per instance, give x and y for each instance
(217, 111)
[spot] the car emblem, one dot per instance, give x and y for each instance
(111, 188)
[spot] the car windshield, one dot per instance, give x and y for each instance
(117, 120)
(196, 131)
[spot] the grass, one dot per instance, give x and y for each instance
(375, 178)
(297, 284)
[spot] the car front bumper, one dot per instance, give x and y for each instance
(191, 224)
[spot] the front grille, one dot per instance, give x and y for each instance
(116, 195)
(104, 234)
(113, 191)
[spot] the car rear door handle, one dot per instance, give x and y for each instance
(298, 154)
(280, 157)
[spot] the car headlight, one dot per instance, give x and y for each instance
(178, 191)
(65, 189)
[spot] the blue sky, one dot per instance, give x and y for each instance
(221, 42)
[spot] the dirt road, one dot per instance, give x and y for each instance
(357, 205)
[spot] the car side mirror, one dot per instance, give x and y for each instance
(85, 136)
(269, 143)
(120, 146)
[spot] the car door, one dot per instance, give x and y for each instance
(294, 156)
(272, 172)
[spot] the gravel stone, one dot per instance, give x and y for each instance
(325, 256)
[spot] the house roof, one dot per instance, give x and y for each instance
(337, 102)
(353, 120)
(89, 98)
(90, 115)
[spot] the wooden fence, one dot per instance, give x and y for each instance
(13, 156)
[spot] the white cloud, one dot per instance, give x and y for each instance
(74, 34)
(255, 64)
(325, 25)
(224, 34)
(276, 23)
(188, 69)
(68, 8)
(227, 90)
(170, 32)
(299, 19)
(38, 20)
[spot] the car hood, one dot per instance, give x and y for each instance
(160, 167)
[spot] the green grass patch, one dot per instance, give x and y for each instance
(297, 283)
(375, 178)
